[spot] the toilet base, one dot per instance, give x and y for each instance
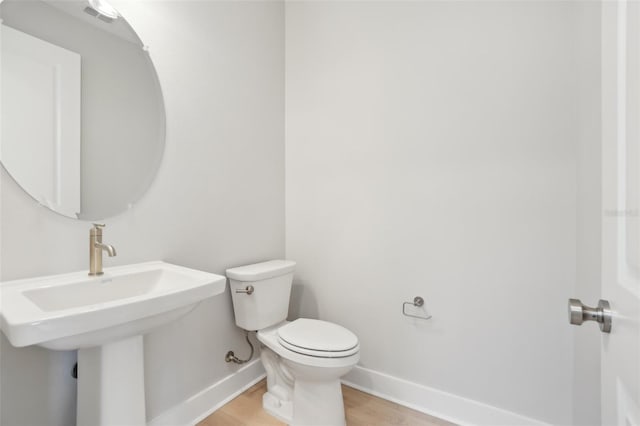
(300, 395)
(281, 410)
(303, 390)
(318, 404)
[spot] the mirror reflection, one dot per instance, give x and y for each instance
(82, 111)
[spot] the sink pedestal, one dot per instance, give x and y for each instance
(111, 384)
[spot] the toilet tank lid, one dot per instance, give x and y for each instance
(261, 271)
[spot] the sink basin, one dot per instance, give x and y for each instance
(104, 318)
(73, 311)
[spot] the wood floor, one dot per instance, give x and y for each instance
(361, 409)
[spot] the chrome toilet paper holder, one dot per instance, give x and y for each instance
(417, 302)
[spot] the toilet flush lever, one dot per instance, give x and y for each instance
(578, 313)
(248, 290)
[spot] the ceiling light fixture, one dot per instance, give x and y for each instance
(104, 8)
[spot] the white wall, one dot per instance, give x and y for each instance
(432, 150)
(218, 201)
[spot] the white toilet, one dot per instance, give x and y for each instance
(304, 359)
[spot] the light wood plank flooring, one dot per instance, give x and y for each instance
(361, 409)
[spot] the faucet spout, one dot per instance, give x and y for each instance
(111, 250)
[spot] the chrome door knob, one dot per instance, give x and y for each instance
(578, 313)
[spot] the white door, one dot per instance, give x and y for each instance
(40, 143)
(621, 221)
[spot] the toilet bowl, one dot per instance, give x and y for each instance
(304, 359)
(314, 361)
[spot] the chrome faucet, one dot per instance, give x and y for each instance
(95, 250)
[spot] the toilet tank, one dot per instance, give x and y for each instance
(269, 303)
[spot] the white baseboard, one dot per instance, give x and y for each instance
(207, 401)
(446, 406)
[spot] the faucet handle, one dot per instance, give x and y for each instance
(96, 231)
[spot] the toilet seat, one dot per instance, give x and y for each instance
(318, 338)
(269, 337)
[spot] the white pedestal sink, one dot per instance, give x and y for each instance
(104, 318)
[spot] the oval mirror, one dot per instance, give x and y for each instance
(82, 114)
